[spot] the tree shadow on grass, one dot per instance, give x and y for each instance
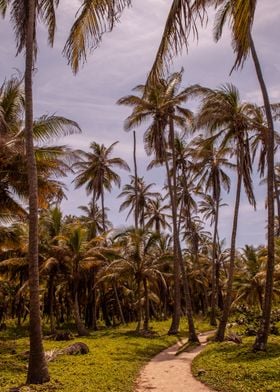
(244, 352)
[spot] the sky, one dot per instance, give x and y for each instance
(123, 61)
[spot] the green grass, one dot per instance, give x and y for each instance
(115, 358)
(229, 367)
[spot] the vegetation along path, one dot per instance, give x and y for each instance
(167, 372)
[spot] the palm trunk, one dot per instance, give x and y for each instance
(51, 301)
(37, 366)
(91, 303)
(220, 335)
(277, 197)
(118, 303)
(174, 328)
(262, 335)
(135, 182)
(213, 321)
(186, 287)
(147, 310)
(139, 310)
(103, 209)
(79, 324)
(187, 295)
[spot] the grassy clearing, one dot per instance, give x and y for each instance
(229, 367)
(115, 357)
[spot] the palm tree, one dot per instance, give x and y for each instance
(93, 220)
(156, 215)
(227, 118)
(23, 16)
(210, 164)
(52, 161)
(181, 22)
(162, 104)
(140, 200)
(142, 258)
(95, 171)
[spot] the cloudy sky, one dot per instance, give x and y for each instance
(121, 62)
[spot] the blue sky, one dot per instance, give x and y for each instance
(121, 62)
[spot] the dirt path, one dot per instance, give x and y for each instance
(169, 373)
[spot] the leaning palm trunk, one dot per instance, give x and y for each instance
(220, 335)
(118, 302)
(262, 336)
(174, 328)
(213, 321)
(37, 366)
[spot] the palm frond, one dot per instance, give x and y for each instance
(95, 18)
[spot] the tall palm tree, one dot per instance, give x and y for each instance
(227, 118)
(182, 20)
(240, 14)
(210, 164)
(23, 17)
(162, 104)
(95, 170)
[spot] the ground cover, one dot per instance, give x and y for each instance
(115, 357)
(230, 367)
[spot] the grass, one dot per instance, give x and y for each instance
(115, 358)
(229, 367)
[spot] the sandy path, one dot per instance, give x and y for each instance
(169, 373)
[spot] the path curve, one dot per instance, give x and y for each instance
(169, 373)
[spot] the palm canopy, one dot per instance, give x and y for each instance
(93, 219)
(95, 169)
(156, 215)
(162, 102)
(45, 10)
(184, 19)
(210, 162)
(231, 124)
(145, 195)
(52, 161)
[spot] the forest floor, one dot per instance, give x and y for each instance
(231, 367)
(115, 358)
(167, 372)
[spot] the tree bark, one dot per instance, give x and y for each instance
(147, 308)
(79, 324)
(174, 328)
(139, 310)
(213, 321)
(135, 182)
(262, 335)
(220, 335)
(37, 366)
(118, 303)
(103, 209)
